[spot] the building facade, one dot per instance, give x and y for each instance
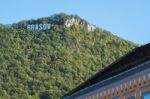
(127, 78)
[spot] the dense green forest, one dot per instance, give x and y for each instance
(46, 64)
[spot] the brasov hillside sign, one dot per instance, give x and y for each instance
(39, 26)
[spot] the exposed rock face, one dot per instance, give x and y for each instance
(71, 22)
(74, 21)
(91, 27)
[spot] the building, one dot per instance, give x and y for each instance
(127, 78)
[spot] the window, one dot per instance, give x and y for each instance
(132, 97)
(115, 98)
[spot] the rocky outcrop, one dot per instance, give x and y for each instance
(91, 27)
(73, 21)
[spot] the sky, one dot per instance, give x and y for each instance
(128, 19)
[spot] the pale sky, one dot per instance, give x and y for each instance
(128, 19)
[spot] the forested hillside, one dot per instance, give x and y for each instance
(46, 64)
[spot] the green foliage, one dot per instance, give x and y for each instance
(48, 64)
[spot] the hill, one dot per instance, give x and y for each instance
(46, 64)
